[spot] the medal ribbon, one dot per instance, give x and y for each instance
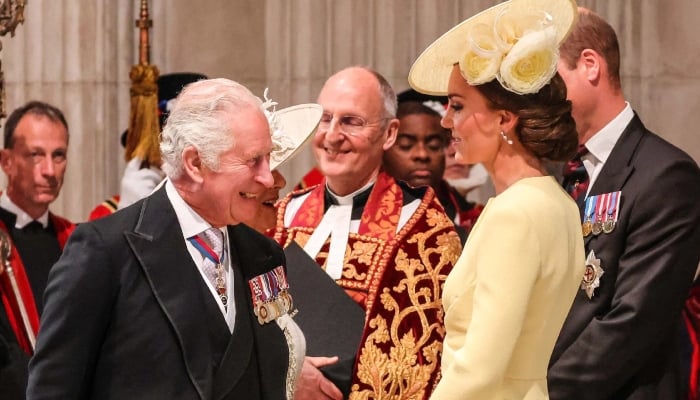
(613, 204)
(209, 254)
(205, 249)
(590, 205)
(608, 202)
(600, 204)
(268, 286)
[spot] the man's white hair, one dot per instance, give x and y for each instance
(201, 118)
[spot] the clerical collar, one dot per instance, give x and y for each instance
(23, 219)
(358, 199)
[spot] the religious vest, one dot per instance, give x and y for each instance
(63, 229)
(397, 278)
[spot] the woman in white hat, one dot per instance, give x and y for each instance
(508, 295)
(290, 128)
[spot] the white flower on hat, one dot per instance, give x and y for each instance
(282, 144)
(480, 64)
(521, 51)
(509, 27)
(531, 63)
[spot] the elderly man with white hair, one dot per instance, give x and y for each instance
(173, 297)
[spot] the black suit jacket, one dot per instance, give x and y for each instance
(13, 363)
(128, 316)
(621, 343)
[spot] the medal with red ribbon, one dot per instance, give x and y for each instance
(597, 228)
(208, 253)
(611, 211)
(271, 298)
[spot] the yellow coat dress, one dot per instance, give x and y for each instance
(508, 295)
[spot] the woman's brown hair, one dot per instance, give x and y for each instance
(545, 127)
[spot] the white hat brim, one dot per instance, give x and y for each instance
(298, 123)
(431, 71)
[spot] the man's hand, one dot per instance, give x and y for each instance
(312, 385)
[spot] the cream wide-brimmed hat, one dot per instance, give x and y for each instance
(291, 127)
(516, 42)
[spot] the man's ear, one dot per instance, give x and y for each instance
(5, 160)
(391, 132)
(192, 164)
(590, 62)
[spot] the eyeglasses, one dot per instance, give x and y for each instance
(349, 124)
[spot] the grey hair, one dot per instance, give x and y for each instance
(387, 92)
(201, 118)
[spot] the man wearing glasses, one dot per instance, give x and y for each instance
(389, 246)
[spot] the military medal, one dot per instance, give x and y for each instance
(271, 299)
(591, 275)
(611, 219)
(587, 226)
(219, 278)
(597, 227)
(609, 225)
(221, 284)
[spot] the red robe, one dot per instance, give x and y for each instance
(691, 320)
(63, 229)
(397, 278)
(312, 178)
(105, 208)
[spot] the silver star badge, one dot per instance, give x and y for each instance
(592, 274)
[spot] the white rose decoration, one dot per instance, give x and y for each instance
(531, 62)
(478, 70)
(480, 64)
(510, 27)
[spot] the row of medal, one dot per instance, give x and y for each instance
(271, 298)
(600, 213)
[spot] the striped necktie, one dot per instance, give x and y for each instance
(210, 244)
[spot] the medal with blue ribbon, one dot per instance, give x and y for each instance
(597, 228)
(271, 298)
(587, 225)
(208, 253)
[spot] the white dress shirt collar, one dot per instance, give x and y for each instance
(190, 222)
(23, 219)
(601, 144)
(347, 199)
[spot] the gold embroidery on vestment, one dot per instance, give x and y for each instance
(397, 373)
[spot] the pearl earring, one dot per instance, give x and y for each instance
(503, 135)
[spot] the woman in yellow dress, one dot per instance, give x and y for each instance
(507, 297)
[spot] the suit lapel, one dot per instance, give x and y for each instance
(158, 245)
(617, 168)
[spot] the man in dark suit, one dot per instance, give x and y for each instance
(619, 340)
(34, 159)
(173, 298)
